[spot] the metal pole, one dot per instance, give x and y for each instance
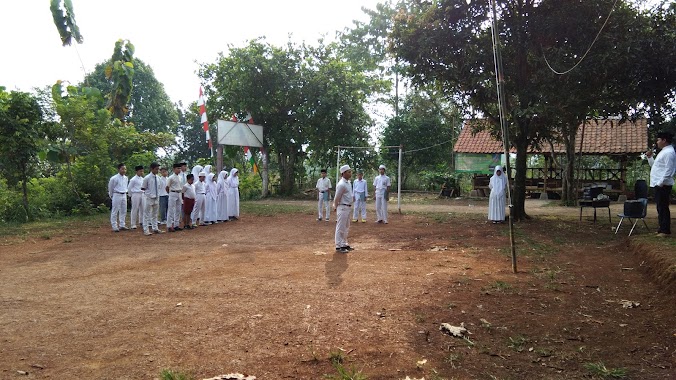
(499, 79)
(401, 147)
(338, 166)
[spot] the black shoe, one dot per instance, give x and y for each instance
(178, 229)
(342, 250)
(348, 248)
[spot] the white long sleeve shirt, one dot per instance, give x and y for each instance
(343, 193)
(323, 184)
(200, 187)
(135, 185)
(360, 186)
(381, 183)
(151, 185)
(663, 167)
(117, 185)
(163, 185)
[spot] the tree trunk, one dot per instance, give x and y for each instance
(265, 175)
(24, 188)
(518, 211)
(569, 193)
(286, 172)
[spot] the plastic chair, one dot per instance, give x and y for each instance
(635, 216)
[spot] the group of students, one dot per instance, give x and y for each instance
(188, 199)
(350, 198)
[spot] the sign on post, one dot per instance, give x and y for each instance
(241, 134)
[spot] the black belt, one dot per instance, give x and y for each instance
(202, 193)
(117, 192)
(343, 204)
(175, 191)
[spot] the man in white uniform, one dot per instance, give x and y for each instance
(342, 204)
(662, 170)
(360, 190)
(382, 188)
(136, 194)
(151, 190)
(117, 191)
(324, 189)
(174, 209)
(164, 196)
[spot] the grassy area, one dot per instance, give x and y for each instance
(264, 208)
(47, 229)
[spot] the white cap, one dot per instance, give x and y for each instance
(202, 174)
(344, 168)
(381, 167)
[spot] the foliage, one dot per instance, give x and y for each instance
(192, 140)
(150, 109)
(249, 185)
(64, 20)
(303, 97)
(168, 374)
(21, 137)
(120, 72)
(600, 370)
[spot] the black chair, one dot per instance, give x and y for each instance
(634, 210)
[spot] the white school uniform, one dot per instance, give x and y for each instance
(151, 185)
(360, 192)
(233, 194)
(323, 204)
(381, 183)
(222, 209)
(343, 202)
(174, 210)
(200, 197)
(117, 191)
(211, 201)
(136, 194)
(497, 198)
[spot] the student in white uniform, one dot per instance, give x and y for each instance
(174, 209)
(164, 196)
(136, 194)
(342, 204)
(233, 194)
(662, 169)
(324, 190)
(382, 189)
(497, 199)
(151, 190)
(211, 201)
(200, 198)
(360, 191)
(189, 196)
(117, 191)
(222, 209)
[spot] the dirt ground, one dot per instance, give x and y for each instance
(268, 296)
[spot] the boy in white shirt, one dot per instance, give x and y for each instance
(200, 198)
(324, 189)
(188, 201)
(136, 193)
(382, 184)
(360, 191)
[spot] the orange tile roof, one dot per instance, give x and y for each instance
(610, 137)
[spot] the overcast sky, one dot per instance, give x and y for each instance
(169, 35)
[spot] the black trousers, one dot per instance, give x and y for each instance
(662, 199)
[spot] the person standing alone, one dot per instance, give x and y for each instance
(662, 170)
(382, 189)
(324, 189)
(136, 193)
(497, 199)
(117, 191)
(342, 205)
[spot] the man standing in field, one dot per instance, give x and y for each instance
(151, 188)
(117, 191)
(360, 190)
(382, 189)
(324, 189)
(662, 170)
(136, 193)
(342, 204)
(174, 188)
(164, 196)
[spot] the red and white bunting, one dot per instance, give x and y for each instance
(205, 123)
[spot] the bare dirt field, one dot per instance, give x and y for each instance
(268, 296)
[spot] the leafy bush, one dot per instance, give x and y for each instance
(250, 185)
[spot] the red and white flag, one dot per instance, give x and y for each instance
(205, 123)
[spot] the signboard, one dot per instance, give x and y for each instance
(477, 163)
(241, 134)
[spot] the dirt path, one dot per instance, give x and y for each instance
(267, 296)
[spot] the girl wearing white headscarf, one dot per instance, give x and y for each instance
(497, 199)
(196, 172)
(207, 169)
(233, 194)
(222, 208)
(210, 214)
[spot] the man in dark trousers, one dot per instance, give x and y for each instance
(662, 170)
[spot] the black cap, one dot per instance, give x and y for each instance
(323, 171)
(182, 164)
(138, 167)
(665, 135)
(176, 166)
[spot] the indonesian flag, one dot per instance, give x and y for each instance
(203, 118)
(250, 158)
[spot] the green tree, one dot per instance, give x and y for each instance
(64, 20)
(150, 109)
(21, 137)
(120, 73)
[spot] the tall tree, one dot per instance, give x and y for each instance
(64, 20)
(21, 137)
(150, 109)
(120, 73)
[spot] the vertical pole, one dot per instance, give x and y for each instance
(219, 158)
(337, 166)
(399, 180)
(499, 78)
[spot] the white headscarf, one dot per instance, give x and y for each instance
(207, 169)
(233, 181)
(498, 182)
(222, 179)
(196, 172)
(212, 187)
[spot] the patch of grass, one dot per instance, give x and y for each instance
(419, 318)
(453, 359)
(517, 343)
(262, 208)
(346, 374)
(49, 228)
(336, 357)
(501, 286)
(600, 370)
(168, 374)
